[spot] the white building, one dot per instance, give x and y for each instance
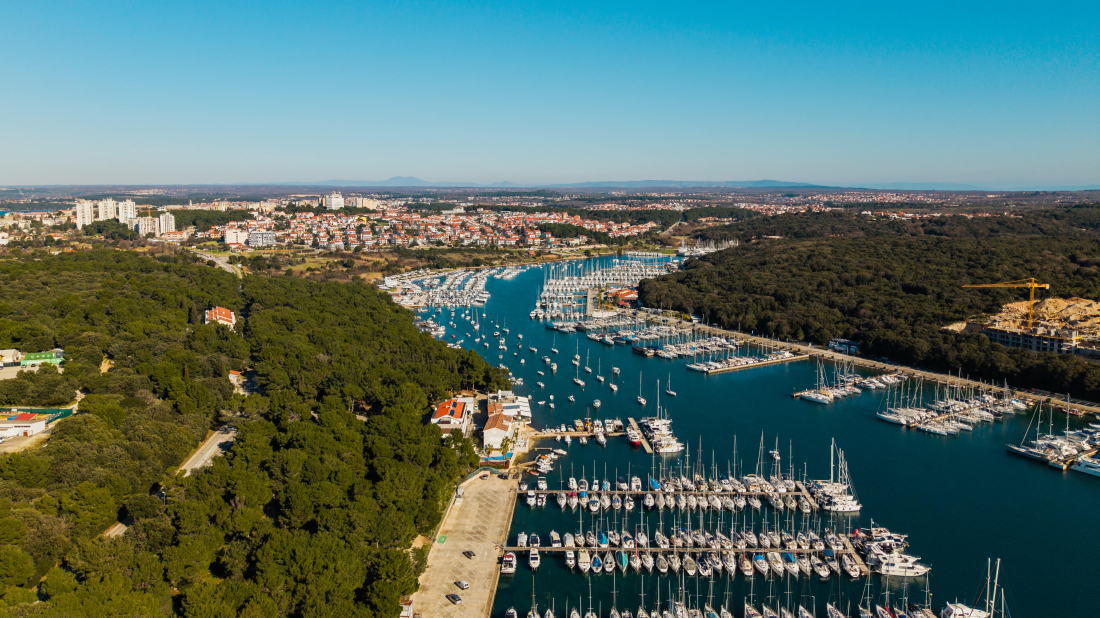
(235, 236)
(497, 429)
(454, 414)
(85, 213)
(143, 225)
(334, 201)
(107, 209)
(166, 223)
(510, 405)
(127, 209)
(25, 424)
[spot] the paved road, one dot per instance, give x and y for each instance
(478, 522)
(222, 262)
(215, 445)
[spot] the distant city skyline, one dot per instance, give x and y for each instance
(990, 96)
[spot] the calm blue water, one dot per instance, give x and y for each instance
(961, 499)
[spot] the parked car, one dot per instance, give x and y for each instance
(469, 554)
(454, 599)
(462, 584)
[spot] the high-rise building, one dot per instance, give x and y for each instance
(85, 213)
(127, 209)
(166, 223)
(145, 225)
(108, 209)
(334, 201)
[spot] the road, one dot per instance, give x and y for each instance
(218, 443)
(477, 522)
(222, 262)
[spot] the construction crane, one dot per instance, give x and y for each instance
(1029, 283)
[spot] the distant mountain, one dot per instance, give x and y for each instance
(680, 184)
(923, 186)
(955, 186)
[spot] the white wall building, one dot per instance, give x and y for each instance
(235, 236)
(334, 201)
(107, 209)
(85, 213)
(144, 225)
(166, 223)
(127, 209)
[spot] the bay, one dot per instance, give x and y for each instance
(961, 499)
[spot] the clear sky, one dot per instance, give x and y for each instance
(544, 92)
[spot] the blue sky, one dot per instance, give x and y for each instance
(1004, 94)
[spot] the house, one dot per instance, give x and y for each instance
(221, 315)
(454, 414)
(497, 429)
(10, 356)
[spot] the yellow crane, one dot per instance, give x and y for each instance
(1029, 283)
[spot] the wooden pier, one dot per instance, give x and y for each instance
(645, 443)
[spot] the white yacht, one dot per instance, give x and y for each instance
(901, 565)
(1088, 465)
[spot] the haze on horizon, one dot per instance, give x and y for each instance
(532, 93)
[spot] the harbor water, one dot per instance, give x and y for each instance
(961, 499)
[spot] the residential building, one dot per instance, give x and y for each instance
(235, 236)
(497, 429)
(144, 225)
(106, 209)
(261, 238)
(127, 210)
(221, 315)
(85, 212)
(1038, 339)
(334, 201)
(166, 223)
(454, 414)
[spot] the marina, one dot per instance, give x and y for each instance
(904, 476)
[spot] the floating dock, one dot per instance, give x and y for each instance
(645, 443)
(775, 361)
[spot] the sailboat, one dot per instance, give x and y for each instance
(587, 369)
(599, 370)
(641, 399)
(668, 390)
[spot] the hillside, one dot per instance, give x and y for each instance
(311, 511)
(893, 291)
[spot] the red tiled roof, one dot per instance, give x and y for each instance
(26, 416)
(451, 408)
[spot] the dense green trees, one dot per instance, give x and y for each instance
(310, 513)
(893, 285)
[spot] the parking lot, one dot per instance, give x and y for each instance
(479, 523)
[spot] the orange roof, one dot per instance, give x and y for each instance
(496, 421)
(26, 416)
(451, 408)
